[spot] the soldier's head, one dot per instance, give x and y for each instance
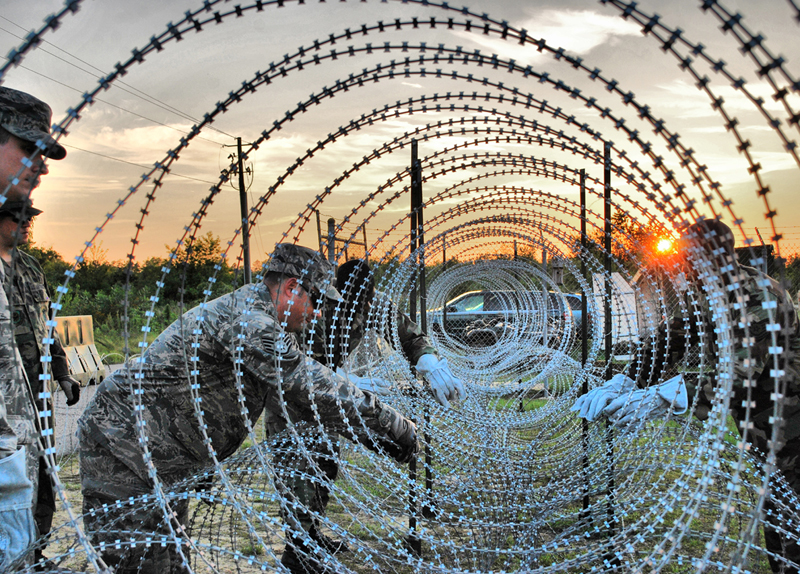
(713, 236)
(299, 280)
(24, 122)
(355, 282)
(712, 240)
(15, 222)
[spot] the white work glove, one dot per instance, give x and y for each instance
(590, 405)
(444, 385)
(647, 404)
(374, 385)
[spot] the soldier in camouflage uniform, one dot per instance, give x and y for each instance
(249, 333)
(18, 460)
(756, 292)
(25, 142)
(346, 323)
(30, 311)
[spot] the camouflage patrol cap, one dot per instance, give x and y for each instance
(28, 118)
(306, 264)
(18, 207)
(712, 234)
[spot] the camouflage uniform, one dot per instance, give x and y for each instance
(332, 345)
(30, 301)
(236, 332)
(17, 433)
(28, 119)
(673, 340)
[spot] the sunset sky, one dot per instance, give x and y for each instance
(157, 102)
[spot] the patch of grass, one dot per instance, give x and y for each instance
(252, 549)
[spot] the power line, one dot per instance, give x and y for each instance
(142, 95)
(60, 83)
(136, 164)
(139, 94)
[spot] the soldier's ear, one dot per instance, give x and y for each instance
(290, 284)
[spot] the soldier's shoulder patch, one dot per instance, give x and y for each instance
(278, 343)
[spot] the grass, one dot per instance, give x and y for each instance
(545, 535)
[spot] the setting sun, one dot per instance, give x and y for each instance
(664, 245)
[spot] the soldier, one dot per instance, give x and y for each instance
(30, 312)
(338, 341)
(25, 143)
(748, 295)
(17, 441)
(346, 325)
(239, 354)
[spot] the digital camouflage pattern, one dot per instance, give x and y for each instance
(9, 382)
(129, 519)
(753, 370)
(18, 392)
(30, 312)
(28, 118)
(206, 347)
(313, 270)
(343, 329)
(17, 429)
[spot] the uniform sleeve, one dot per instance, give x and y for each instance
(58, 357)
(657, 353)
(337, 400)
(414, 343)
(274, 358)
(8, 439)
(752, 332)
(667, 348)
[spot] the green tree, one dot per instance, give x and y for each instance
(51, 261)
(631, 242)
(192, 267)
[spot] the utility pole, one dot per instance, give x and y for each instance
(245, 215)
(243, 208)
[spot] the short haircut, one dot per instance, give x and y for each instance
(273, 278)
(712, 234)
(355, 282)
(5, 135)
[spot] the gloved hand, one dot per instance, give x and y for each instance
(444, 385)
(647, 404)
(374, 385)
(592, 403)
(400, 435)
(71, 388)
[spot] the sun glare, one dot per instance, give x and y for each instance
(664, 245)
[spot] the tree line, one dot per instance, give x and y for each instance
(99, 288)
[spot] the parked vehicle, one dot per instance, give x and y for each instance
(480, 318)
(574, 302)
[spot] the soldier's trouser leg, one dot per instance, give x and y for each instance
(45, 508)
(304, 481)
(778, 542)
(107, 485)
(17, 528)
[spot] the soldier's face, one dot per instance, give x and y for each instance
(295, 306)
(14, 230)
(14, 156)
